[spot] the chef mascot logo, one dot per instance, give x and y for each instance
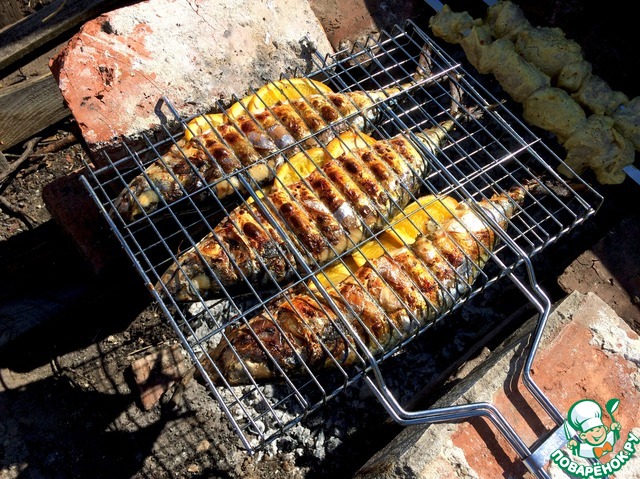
(585, 419)
(589, 438)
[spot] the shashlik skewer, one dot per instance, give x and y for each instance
(547, 73)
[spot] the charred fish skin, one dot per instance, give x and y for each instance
(335, 207)
(385, 301)
(254, 142)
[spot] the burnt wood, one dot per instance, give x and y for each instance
(29, 107)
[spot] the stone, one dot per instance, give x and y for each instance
(115, 73)
(75, 212)
(346, 23)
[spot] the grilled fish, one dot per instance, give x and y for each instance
(320, 217)
(384, 301)
(255, 142)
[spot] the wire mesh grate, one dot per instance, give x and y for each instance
(475, 148)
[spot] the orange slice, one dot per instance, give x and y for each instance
(240, 108)
(286, 90)
(268, 95)
(334, 274)
(348, 141)
(302, 164)
(203, 123)
(407, 225)
(415, 218)
(372, 249)
(299, 166)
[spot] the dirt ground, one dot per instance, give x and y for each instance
(67, 403)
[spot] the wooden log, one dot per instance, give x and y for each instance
(45, 25)
(28, 107)
(9, 12)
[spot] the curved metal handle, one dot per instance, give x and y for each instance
(542, 303)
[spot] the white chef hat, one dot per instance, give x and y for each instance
(585, 414)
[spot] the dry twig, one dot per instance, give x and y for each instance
(25, 156)
(24, 217)
(57, 145)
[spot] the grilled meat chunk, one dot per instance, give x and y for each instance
(320, 217)
(383, 302)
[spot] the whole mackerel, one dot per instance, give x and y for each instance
(321, 216)
(384, 301)
(255, 142)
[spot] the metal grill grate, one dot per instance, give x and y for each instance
(487, 151)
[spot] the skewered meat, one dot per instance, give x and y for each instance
(573, 74)
(506, 20)
(547, 73)
(322, 215)
(598, 146)
(627, 120)
(597, 96)
(251, 142)
(475, 44)
(519, 78)
(547, 48)
(451, 26)
(384, 301)
(552, 53)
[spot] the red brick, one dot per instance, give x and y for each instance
(610, 269)
(73, 209)
(115, 71)
(347, 22)
(155, 373)
(573, 366)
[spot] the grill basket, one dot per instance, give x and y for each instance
(488, 151)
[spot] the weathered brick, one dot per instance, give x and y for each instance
(348, 22)
(610, 269)
(114, 73)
